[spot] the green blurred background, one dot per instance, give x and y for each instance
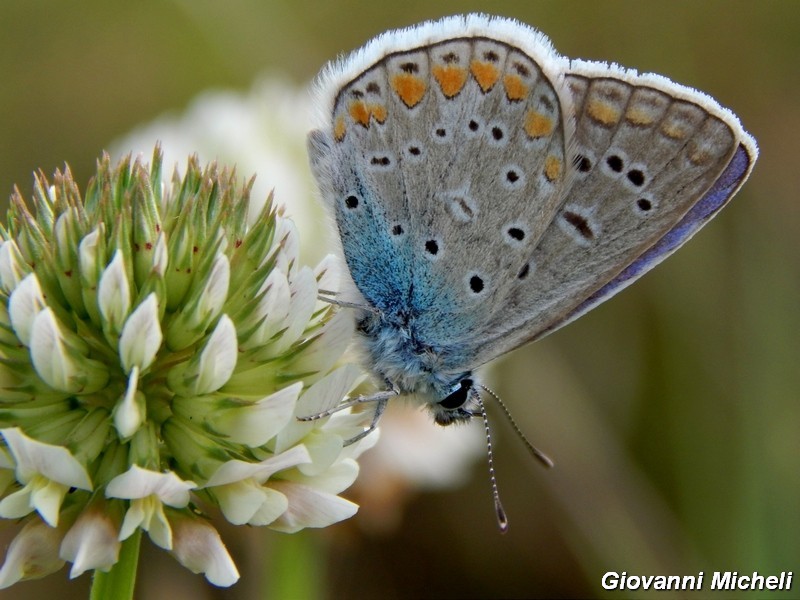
(671, 411)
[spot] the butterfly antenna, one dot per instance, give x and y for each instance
(502, 520)
(538, 454)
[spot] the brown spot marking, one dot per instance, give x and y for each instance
(552, 168)
(339, 128)
(521, 69)
(515, 89)
(604, 113)
(546, 102)
(538, 125)
(465, 207)
(451, 78)
(485, 73)
(373, 88)
(580, 224)
(409, 88)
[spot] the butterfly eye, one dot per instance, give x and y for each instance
(457, 398)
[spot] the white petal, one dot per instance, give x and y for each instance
(309, 507)
(113, 292)
(334, 481)
(247, 502)
(140, 483)
(328, 346)
(32, 554)
(12, 266)
(324, 448)
(254, 425)
(304, 301)
(198, 547)
(274, 506)
(147, 513)
(53, 462)
(141, 336)
(134, 517)
(324, 394)
(272, 309)
(215, 291)
(47, 500)
(49, 353)
(25, 303)
(129, 413)
(87, 252)
(218, 358)
(329, 273)
(160, 255)
(91, 543)
(237, 470)
(239, 501)
(17, 504)
(158, 527)
(329, 391)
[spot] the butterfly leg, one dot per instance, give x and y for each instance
(324, 297)
(380, 397)
(380, 406)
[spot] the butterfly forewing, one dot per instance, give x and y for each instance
(449, 150)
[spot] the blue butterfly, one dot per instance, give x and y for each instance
(487, 191)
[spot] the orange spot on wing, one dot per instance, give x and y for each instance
(639, 116)
(538, 125)
(603, 112)
(515, 89)
(359, 112)
(409, 88)
(698, 155)
(485, 73)
(451, 78)
(339, 128)
(673, 130)
(378, 111)
(552, 168)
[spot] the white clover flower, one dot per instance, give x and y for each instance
(157, 343)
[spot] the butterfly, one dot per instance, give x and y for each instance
(487, 191)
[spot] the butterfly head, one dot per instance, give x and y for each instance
(459, 405)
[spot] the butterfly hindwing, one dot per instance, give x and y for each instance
(654, 161)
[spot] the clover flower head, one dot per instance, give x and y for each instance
(157, 342)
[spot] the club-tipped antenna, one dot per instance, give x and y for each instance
(502, 520)
(538, 454)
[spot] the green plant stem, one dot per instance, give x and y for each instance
(119, 582)
(294, 568)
